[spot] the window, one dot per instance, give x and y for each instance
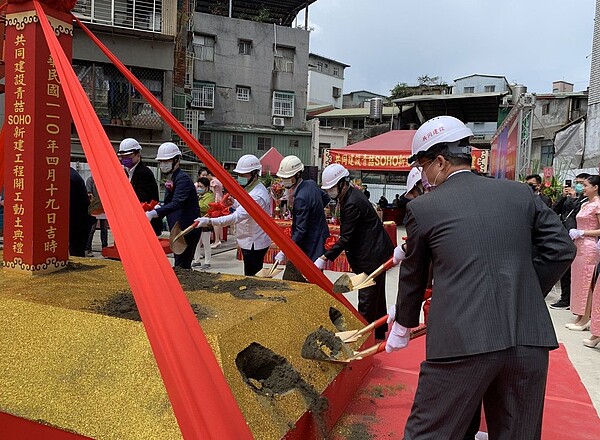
(336, 92)
(133, 14)
(242, 93)
(545, 108)
(264, 143)
(294, 143)
(244, 46)
(283, 104)
(204, 47)
(336, 71)
(284, 59)
(205, 138)
(468, 89)
(189, 70)
(191, 122)
(236, 141)
(319, 66)
(203, 96)
(489, 89)
(547, 155)
(358, 124)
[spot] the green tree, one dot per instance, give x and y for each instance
(401, 90)
(426, 80)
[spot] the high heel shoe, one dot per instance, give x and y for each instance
(579, 328)
(591, 342)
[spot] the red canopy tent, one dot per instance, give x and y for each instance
(387, 152)
(270, 161)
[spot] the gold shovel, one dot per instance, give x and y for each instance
(176, 238)
(347, 283)
(270, 272)
(354, 335)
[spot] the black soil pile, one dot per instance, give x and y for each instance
(271, 375)
(324, 345)
(246, 288)
(122, 305)
(79, 267)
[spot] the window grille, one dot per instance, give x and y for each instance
(189, 71)
(245, 47)
(115, 100)
(243, 93)
(283, 104)
(144, 15)
(204, 47)
(284, 59)
(191, 122)
(203, 96)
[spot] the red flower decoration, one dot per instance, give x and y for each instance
(149, 206)
(219, 209)
(331, 241)
(169, 185)
(287, 231)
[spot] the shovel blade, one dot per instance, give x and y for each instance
(176, 240)
(357, 280)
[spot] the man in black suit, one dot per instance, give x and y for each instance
(79, 219)
(364, 239)
(141, 177)
(535, 182)
(489, 331)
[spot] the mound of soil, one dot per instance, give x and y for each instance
(324, 345)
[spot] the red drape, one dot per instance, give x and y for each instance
(2, 157)
(201, 398)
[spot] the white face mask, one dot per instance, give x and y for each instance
(166, 167)
(288, 183)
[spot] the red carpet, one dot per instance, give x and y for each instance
(382, 404)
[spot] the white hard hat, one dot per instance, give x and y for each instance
(167, 151)
(413, 178)
(248, 163)
(129, 145)
(332, 175)
(442, 129)
(289, 166)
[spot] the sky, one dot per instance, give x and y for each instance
(386, 42)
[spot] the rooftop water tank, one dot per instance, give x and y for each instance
(517, 91)
(376, 108)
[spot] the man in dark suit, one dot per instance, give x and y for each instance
(364, 239)
(141, 177)
(79, 218)
(307, 204)
(489, 331)
(535, 182)
(181, 201)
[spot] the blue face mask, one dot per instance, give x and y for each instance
(579, 187)
(242, 180)
(201, 190)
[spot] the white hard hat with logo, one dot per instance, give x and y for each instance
(167, 151)
(332, 174)
(129, 145)
(438, 130)
(413, 178)
(248, 163)
(289, 167)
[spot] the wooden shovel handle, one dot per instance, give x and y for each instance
(383, 268)
(377, 348)
(371, 326)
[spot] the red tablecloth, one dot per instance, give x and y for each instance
(341, 263)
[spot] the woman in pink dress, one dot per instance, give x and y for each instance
(582, 269)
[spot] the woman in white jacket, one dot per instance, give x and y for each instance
(252, 240)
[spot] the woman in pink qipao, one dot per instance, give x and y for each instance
(584, 265)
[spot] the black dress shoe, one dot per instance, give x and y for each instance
(560, 305)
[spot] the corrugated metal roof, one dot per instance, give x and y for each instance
(356, 112)
(281, 12)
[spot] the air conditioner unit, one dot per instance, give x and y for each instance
(201, 115)
(279, 122)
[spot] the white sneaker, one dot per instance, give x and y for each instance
(215, 245)
(89, 254)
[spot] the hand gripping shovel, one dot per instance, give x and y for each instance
(270, 272)
(347, 283)
(176, 238)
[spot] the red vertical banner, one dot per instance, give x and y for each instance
(37, 144)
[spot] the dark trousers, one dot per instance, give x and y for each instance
(77, 241)
(292, 273)
(372, 304)
(103, 234)
(253, 260)
(184, 260)
(565, 286)
(511, 383)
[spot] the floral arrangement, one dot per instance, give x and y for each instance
(219, 209)
(169, 185)
(277, 190)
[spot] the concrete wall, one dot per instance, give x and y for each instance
(479, 83)
(230, 69)
(320, 89)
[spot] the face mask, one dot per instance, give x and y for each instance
(201, 190)
(127, 162)
(333, 193)
(426, 185)
(288, 183)
(166, 167)
(579, 187)
(243, 180)
(533, 186)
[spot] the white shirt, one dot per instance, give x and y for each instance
(248, 232)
